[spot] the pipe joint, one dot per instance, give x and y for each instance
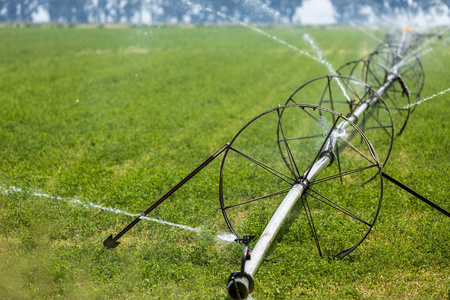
(328, 154)
(240, 285)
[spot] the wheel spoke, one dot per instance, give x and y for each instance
(302, 137)
(373, 127)
(378, 122)
(258, 198)
(311, 223)
(336, 206)
(347, 143)
(292, 163)
(368, 92)
(349, 86)
(321, 147)
(308, 113)
(340, 174)
(271, 170)
(315, 118)
(339, 163)
(392, 100)
(331, 100)
(369, 70)
(335, 101)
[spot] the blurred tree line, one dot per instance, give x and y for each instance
(199, 11)
(348, 11)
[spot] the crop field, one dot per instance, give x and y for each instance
(98, 123)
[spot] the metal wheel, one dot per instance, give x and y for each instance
(406, 63)
(276, 150)
(345, 95)
(374, 71)
(401, 42)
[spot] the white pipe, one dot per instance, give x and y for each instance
(274, 225)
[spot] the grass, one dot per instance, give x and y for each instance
(117, 117)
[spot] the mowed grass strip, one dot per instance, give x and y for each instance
(116, 117)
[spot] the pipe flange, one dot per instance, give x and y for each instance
(329, 154)
(240, 285)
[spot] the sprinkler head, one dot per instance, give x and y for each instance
(245, 240)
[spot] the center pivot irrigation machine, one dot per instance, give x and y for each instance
(319, 147)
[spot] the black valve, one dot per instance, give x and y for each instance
(245, 240)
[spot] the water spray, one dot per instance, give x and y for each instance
(89, 205)
(319, 152)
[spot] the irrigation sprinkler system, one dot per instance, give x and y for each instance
(326, 145)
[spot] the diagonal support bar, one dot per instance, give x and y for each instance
(434, 205)
(111, 242)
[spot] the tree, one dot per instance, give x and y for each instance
(286, 8)
(19, 10)
(348, 11)
(68, 11)
(218, 11)
(131, 8)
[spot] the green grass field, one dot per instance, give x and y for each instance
(116, 117)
